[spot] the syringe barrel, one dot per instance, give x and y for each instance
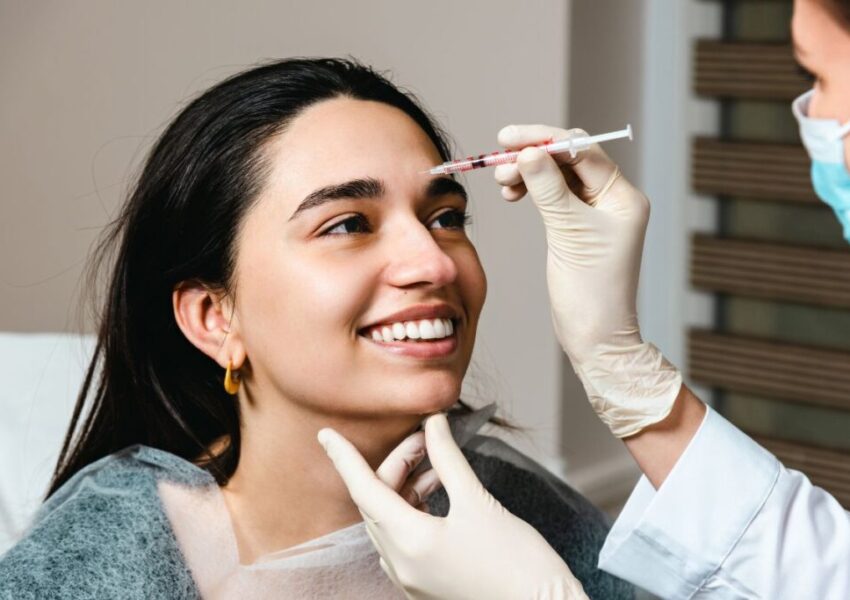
(501, 158)
(478, 162)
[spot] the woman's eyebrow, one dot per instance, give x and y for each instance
(442, 186)
(370, 188)
(365, 188)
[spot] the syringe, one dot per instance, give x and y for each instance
(573, 146)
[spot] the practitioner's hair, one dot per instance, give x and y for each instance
(840, 9)
(146, 383)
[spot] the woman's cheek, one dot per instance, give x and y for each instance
(475, 279)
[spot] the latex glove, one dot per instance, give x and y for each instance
(595, 223)
(479, 550)
(396, 471)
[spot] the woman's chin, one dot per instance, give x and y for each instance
(427, 404)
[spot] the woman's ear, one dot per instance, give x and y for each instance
(208, 322)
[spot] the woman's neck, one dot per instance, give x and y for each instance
(285, 490)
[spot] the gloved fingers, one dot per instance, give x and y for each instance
(507, 174)
(401, 462)
(595, 171)
(514, 193)
(516, 137)
(419, 487)
(376, 501)
(450, 464)
(593, 166)
(544, 179)
(509, 177)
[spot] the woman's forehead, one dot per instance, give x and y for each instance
(345, 138)
(346, 129)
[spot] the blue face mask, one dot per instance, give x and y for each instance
(824, 140)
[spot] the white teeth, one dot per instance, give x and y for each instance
(440, 328)
(426, 329)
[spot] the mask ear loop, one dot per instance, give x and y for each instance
(842, 133)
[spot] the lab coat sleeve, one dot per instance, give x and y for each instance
(730, 521)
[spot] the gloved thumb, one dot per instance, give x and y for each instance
(545, 181)
(455, 473)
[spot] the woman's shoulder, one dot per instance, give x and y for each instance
(102, 534)
(573, 526)
(126, 478)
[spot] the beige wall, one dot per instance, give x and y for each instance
(605, 93)
(86, 86)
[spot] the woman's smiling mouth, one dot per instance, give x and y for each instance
(426, 338)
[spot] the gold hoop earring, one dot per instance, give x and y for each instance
(231, 379)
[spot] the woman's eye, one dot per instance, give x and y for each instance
(358, 222)
(454, 219)
(451, 219)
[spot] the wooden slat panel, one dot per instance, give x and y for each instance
(747, 70)
(819, 276)
(753, 170)
(784, 371)
(828, 469)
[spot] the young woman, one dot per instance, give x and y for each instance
(717, 515)
(281, 266)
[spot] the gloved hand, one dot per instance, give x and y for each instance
(595, 224)
(471, 553)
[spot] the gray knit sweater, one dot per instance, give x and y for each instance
(105, 534)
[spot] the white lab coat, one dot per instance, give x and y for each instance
(731, 522)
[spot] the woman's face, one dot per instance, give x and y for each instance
(822, 47)
(347, 232)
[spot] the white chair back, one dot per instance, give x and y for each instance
(42, 374)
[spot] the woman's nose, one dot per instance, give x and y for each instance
(416, 258)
